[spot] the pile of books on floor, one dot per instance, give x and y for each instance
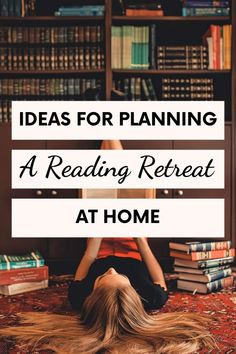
(190, 88)
(218, 40)
(136, 88)
(130, 47)
(19, 274)
(184, 57)
(143, 8)
(203, 267)
(84, 10)
(205, 8)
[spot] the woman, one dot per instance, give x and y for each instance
(113, 317)
(124, 263)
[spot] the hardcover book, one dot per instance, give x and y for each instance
(205, 288)
(23, 275)
(207, 278)
(199, 246)
(23, 287)
(30, 260)
(204, 263)
(194, 256)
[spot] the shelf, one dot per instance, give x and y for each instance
(171, 19)
(170, 72)
(51, 72)
(43, 97)
(11, 20)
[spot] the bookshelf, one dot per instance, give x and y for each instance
(187, 30)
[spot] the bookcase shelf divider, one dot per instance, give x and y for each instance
(108, 24)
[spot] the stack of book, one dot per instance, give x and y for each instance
(130, 47)
(218, 39)
(84, 10)
(205, 8)
(186, 57)
(143, 8)
(203, 267)
(136, 88)
(191, 88)
(17, 8)
(19, 274)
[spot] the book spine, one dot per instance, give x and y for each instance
(153, 46)
(212, 254)
(206, 3)
(18, 10)
(210, 246)
(218, 275)
(4, 8)
(219, 284)
(205, 11)
(22, 264)
(143, 12)
(214, 263)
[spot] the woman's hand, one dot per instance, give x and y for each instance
(150, 261)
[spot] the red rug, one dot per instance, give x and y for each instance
(221, 306)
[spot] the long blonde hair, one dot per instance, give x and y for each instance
(113, 320)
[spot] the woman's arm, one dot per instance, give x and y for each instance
(93, 245)
(151, 262)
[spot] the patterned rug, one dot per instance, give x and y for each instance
(221, 306)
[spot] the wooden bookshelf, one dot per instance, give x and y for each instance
(208, 19)
(171, 72)
(51, 72)
(38, 19)
(226, 89)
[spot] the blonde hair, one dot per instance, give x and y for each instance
(113, 321)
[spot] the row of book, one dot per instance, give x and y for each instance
(19, 274)
(192, 88)
(186, 57)
(136, 88)
(136, 47)
(206, 8)
(203, 267)
(130, 47)
(47, 87)
(51, 58)
(52, 34)
(19, 8)
(219, 41)
(187, 89)
(83, 10)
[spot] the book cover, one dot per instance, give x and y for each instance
(23, 275)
